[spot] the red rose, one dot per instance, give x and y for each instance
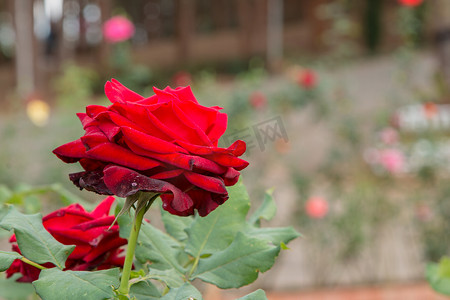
(96, 247)
(411, 3)
(166, 144)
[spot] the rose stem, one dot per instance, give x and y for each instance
(124, 287)
(32, 263)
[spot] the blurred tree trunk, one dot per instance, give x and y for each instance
(274, 34)
(25, 47)
(105, 48)
(316, 25)
(185, 10)
(441, 17)
(252, 15)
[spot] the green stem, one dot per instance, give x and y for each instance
(124, 287)
(32, 263)
(194, 266)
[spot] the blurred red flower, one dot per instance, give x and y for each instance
(96, 246)
(307, 79)
(410, 3)
(257, 100)
(316, 207)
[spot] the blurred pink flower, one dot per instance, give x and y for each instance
(118, 29)
(410, 3)
(257, 100)
(316, 207)
(307, 79)
(392, 160)
(182, 78)
(389, 136)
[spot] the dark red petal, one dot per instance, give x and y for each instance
(203, 202)
(91, 164)
(116, 92)
(107, 244)
(230, 177)
(80, 251)
(218, 128)
(91, 181)
(237, 148)
(71, 152)
(124, 182)
(150, 143)
(228, 160)
(109, 152)
(93, 139)
(208, 183)
(167, 174)
(187, 162)
(103, 208)
(65, 218)
(93, 110)
(100, 222)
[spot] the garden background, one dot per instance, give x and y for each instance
(344, 105)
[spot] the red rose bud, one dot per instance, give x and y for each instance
(410, 3)
(166, 144)
(257, 100)
(96, 245)
(307, 79)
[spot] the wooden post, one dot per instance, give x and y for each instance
(185, 28)
(274, 34)
(441, 17)
(25, 47)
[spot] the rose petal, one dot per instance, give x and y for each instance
(103, 208)
(116, 92)
(150, 143)
(208, 183)
(71, 152)
(109, 152)
(124, 182)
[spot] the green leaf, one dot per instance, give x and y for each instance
(144, 290)
(34, 241)
(5, 193)
(54, 284)
(266, 211)
(217, 230)
(438, 275)
(169, 277)
(276, 235)
(12, 290)
(176, 225)
(185, 292)
(7, 258)
(256, 295)
(239, 264)
(158, 248)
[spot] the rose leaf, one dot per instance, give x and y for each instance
(7, 258)
(186, 291)
(218, 229)
(256, 295)
(54, 284)
(239, 264)
(34, 241)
